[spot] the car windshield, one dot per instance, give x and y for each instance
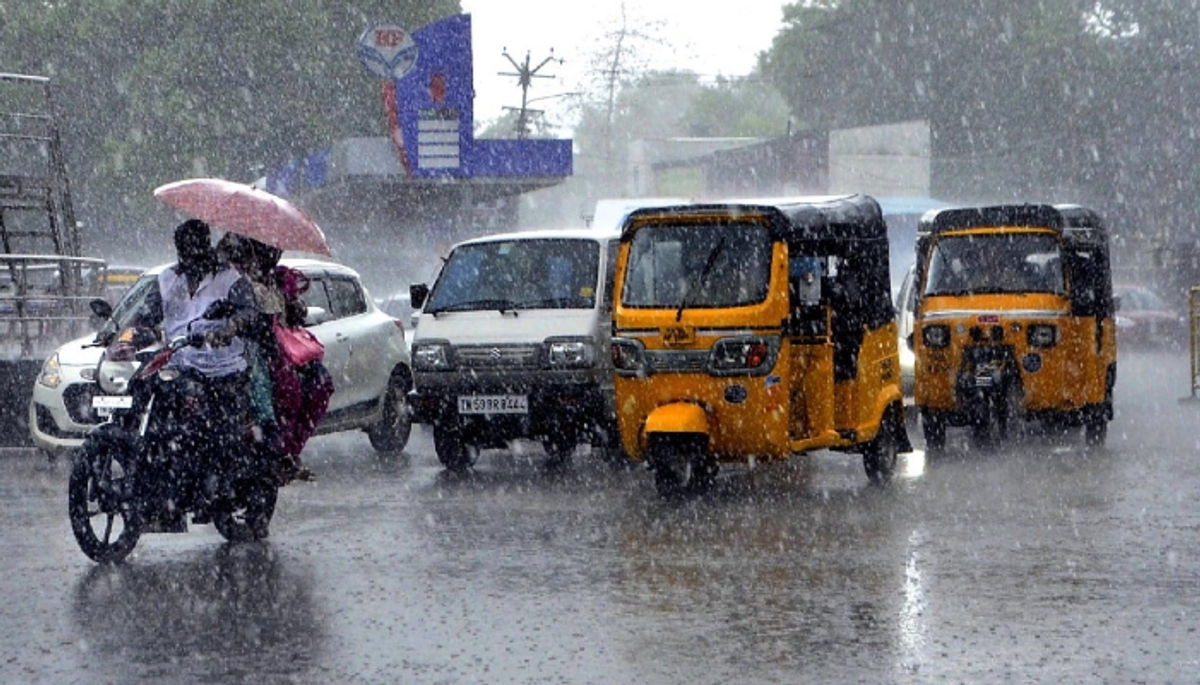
(542, 273)
(685, 266)
(995, 263)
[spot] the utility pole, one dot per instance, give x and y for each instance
(525, 75)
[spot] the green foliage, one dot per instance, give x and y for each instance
(156, 90)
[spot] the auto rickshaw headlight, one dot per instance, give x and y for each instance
(570, 353)
(742, 355)
(936, 336)
(1042, 335)
(628, 356)
(432, 355)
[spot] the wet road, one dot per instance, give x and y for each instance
(1037, 563)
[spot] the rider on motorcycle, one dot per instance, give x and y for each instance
(183, 305)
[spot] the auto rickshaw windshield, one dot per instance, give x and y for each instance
(995, 263)
(698, 265)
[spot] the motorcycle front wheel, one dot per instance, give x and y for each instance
(249, 516)
(100, 501)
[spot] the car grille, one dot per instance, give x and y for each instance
(78, 400)
(498, 356)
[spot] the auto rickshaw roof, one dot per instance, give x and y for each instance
(834, 217)
(1077, 223)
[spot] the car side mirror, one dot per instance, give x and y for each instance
(417, 294)
(101, 309)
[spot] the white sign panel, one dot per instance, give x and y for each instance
(387, 50)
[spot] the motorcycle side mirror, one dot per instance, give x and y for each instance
(417, 294)
(100, 307)
(221, 309)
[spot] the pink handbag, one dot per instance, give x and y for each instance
(297, 346)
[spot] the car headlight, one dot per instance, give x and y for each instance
(935, 336)
(432, 355)
(51, 375)
(628, 356)
(754, 356)
(570, 353)
(1042, 335)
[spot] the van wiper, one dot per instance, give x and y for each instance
(501, 305)
(701, 278)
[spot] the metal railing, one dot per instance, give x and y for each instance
(44, 301)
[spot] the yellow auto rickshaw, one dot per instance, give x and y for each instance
(1013, 321)
(752, 331)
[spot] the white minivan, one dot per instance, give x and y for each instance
(513, 343)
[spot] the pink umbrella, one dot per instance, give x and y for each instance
(247, 211)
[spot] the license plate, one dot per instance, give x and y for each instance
(105, 404)
(493, 404)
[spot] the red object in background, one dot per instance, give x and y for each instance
(392, 107)
(437, 88)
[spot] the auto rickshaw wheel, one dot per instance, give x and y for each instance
(681, 464)
(881, 454)
(1095, 428)
(934, 428)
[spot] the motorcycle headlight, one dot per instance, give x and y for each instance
(628, 357)
(1042, 335)
(51, 375)
(753, 356)
(113, 376)
(432, 355)
(935, 336)
(570, 353)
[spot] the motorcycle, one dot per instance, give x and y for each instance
(154, 461)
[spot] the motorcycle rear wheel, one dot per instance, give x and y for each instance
(250, 517)
(100, 491)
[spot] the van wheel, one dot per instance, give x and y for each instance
(559, 450)
(682, 466)
(881, 454)
(455, 453)
(390, 435)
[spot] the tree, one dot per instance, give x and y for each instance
(156, 90)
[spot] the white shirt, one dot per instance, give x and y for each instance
(184, 313)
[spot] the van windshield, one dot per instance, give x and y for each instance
(687, 266)
(995, 263)
(549, 273)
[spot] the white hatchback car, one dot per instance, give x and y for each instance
(365, 353)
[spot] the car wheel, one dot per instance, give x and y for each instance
(390, 435)
(453, 450)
